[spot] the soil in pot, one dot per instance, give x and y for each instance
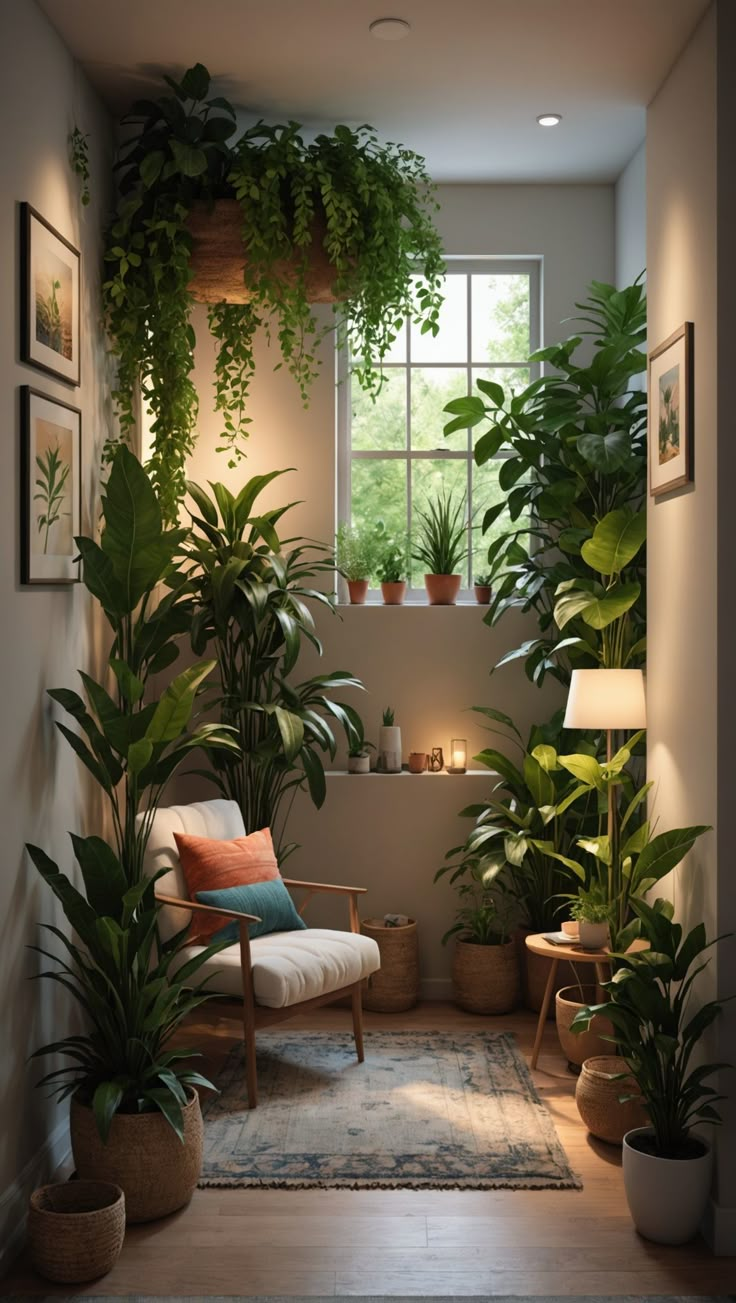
(143, 1155)
(442, 590)
(358, 590)
(597, 1095)
(585, 1045)
(667, 1197)
(394, 594)
(486, 978)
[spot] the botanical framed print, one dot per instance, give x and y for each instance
(50, 273)
(51, 513)
(671, 412)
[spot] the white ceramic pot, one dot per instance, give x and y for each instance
(592, 936)
(666, 1196)
(359, 764)
(389, 749)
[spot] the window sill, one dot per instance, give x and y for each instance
(420, 600)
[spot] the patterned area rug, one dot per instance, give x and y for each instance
(425, 1110)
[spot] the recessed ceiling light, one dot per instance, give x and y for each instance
(389, 29)
(549, 119)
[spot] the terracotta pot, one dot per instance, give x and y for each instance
(534, 973)
(358, 590)
(482, 594)
(143, 1155)
(218, 257)
(486, 978)
(442, 590)
(585, 1045)
(394, 594)
(417, 762)
(597, 1097)
(667, 1197)
(359, 764)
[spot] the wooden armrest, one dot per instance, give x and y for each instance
(325, 886)
(199, 908)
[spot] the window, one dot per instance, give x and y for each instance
(392, 453)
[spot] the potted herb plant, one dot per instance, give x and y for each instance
(667, 1165)
(389, 744)
(258, 224)
(442, 547)
(592, 912)
(482, 587)
(355, 559)
(392, 570)
(485, 965)
(359, 761)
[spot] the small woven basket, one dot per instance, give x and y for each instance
(395, 986)
(597, 1098)
(486, 978)
(76, 1230)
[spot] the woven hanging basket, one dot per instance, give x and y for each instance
(76, 1230)
(597, 1098)
(486, 978)
(143, 1155)
(395, 986)
(218, 258)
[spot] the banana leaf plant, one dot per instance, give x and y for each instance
(524, 821)
(574, 444)
(657, 1030)
(131, 745)
(253, 595)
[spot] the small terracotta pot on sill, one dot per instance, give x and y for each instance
(394, 593)
(442, 590)
(482, 594)
(358, 590)
(417, 762)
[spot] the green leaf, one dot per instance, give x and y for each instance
(666, 850)
(196, 82)
(150, 167)
(105, 1102)
(315, 773)
(130, 685)
(291, 729)
(105, 882)
(606, 452)
(602, 611)
(189, 160)
(139, 754)
(616, 540)
(585, 768)
(174, 710)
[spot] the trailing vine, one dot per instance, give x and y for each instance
(79, 161)
(369, 204)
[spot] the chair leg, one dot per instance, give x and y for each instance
(249, 1037)
(358, 1021)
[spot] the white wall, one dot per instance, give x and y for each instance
(690, 207)
(631, 219)
(429, 663)
(46, 633)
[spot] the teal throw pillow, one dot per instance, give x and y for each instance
(270, 901)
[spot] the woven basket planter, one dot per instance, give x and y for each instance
(143, 1155)
(76, 1230)
(577, 1047)
(218, 257)
(395, 986)
(486, 978)
(597, 1098)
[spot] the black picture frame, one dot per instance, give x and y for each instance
(670, 376)
(41, 243)
(38, 567)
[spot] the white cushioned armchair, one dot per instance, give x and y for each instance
(275, 976)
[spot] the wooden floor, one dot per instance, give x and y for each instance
(326, 1242)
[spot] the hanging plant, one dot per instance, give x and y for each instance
(79, 161)
(342, 219)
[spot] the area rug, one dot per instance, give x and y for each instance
(425, 1110)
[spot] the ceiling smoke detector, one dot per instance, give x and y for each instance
(549, 119)
(389, 29)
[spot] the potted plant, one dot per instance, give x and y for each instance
(355, 559)
(258, 223)
(482, 588)
(392, 570)
(359, 761)
(569, 1000)
(485, 965)
(592, 912)
(135, 1116)
(389, 744)
(666, 1165)
(442, 547)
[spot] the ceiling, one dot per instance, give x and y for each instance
(463, 89)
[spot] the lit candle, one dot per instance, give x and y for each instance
(459, 755)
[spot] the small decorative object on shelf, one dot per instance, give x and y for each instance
(482, 588)
(359, 761)
(436, 762)
(389, 744)
(458, 756)
(417, 762)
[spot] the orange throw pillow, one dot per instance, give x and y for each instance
(210, 864)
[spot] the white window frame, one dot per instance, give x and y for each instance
(532, 266)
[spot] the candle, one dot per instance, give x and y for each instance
(458, 755)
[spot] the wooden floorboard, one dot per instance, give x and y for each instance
(401, 1242)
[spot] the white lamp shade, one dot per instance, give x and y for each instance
(607, 699)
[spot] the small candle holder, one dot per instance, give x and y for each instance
(436, 761)
(458, 756)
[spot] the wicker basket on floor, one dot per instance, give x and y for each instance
(395, 986)
(598, 1096)
(76, 1230)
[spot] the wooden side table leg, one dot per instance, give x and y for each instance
(544, 1010)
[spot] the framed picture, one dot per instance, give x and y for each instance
(51, 514)
(49, 298)
(671, 412)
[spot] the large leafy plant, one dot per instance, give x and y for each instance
(368, 204)
(252, 593)
(574, 475)
(657, 1029)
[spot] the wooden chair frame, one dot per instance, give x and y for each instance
(257, 1015)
